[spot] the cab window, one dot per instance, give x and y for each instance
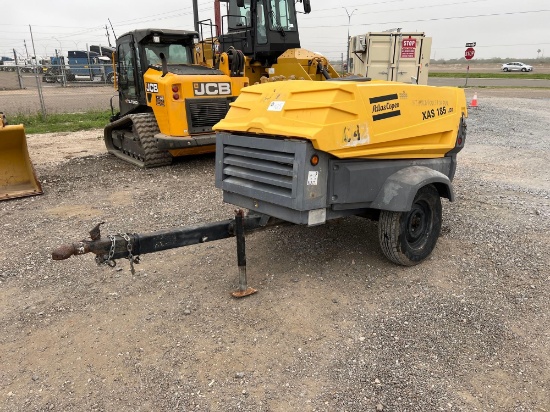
(239, 17)
(261, 30)
(126, 69)
(174, 53)
(281, 15)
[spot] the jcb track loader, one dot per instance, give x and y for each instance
(306, 152)
(17, 175)
(168, 104)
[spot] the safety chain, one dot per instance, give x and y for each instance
(109, 261)
(133, 259)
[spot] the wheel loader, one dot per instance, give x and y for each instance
(266, 33)
(17, 175)
(302, 152)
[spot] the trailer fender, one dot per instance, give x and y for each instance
(398, 191)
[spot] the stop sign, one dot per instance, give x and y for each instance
(469, 53)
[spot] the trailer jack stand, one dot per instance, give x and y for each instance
(244, 289)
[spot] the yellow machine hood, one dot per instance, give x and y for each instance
(353, 119)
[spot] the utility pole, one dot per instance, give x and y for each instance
(18, 69)
(114, 34)
(108, 37)
(38, 82)
(26, 50)
(349, 22)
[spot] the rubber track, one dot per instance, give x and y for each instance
(145, 127)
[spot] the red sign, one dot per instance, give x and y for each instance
(409, 43)
(408, 48)
(469, 53)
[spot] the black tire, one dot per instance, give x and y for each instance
(407, 238)
(111, 78)
(524, 69)
(505, 69)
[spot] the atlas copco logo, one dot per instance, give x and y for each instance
(211, 89)
(386, 106)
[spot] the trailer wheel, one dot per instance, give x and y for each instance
(407, 238)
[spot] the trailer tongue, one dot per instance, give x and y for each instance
(307, 152)
(132, 246)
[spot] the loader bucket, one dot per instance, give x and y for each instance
(17, 176)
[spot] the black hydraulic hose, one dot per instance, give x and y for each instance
(322, 69)
(241, 62)
(237, 61)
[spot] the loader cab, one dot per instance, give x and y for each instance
(129, 75)
(141, 50)
(262, 29)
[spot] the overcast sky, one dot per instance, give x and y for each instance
(501, 28)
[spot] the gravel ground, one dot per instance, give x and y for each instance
(334, 327)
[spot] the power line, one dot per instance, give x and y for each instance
(172, 14)
(407, 9)
(361, 5)
(46, 35)
(439, 18)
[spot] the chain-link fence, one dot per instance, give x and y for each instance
(56, 89)
(58, 73)
(94, 73)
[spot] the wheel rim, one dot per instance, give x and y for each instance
(418, 224)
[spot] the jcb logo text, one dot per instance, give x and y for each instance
(152, 88)
(211, 89)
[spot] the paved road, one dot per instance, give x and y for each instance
(440, 81)
(481, 67)
(57, 99)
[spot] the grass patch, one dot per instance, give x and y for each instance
(62, 122)
(461, 75)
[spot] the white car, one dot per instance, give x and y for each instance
(516, 66)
